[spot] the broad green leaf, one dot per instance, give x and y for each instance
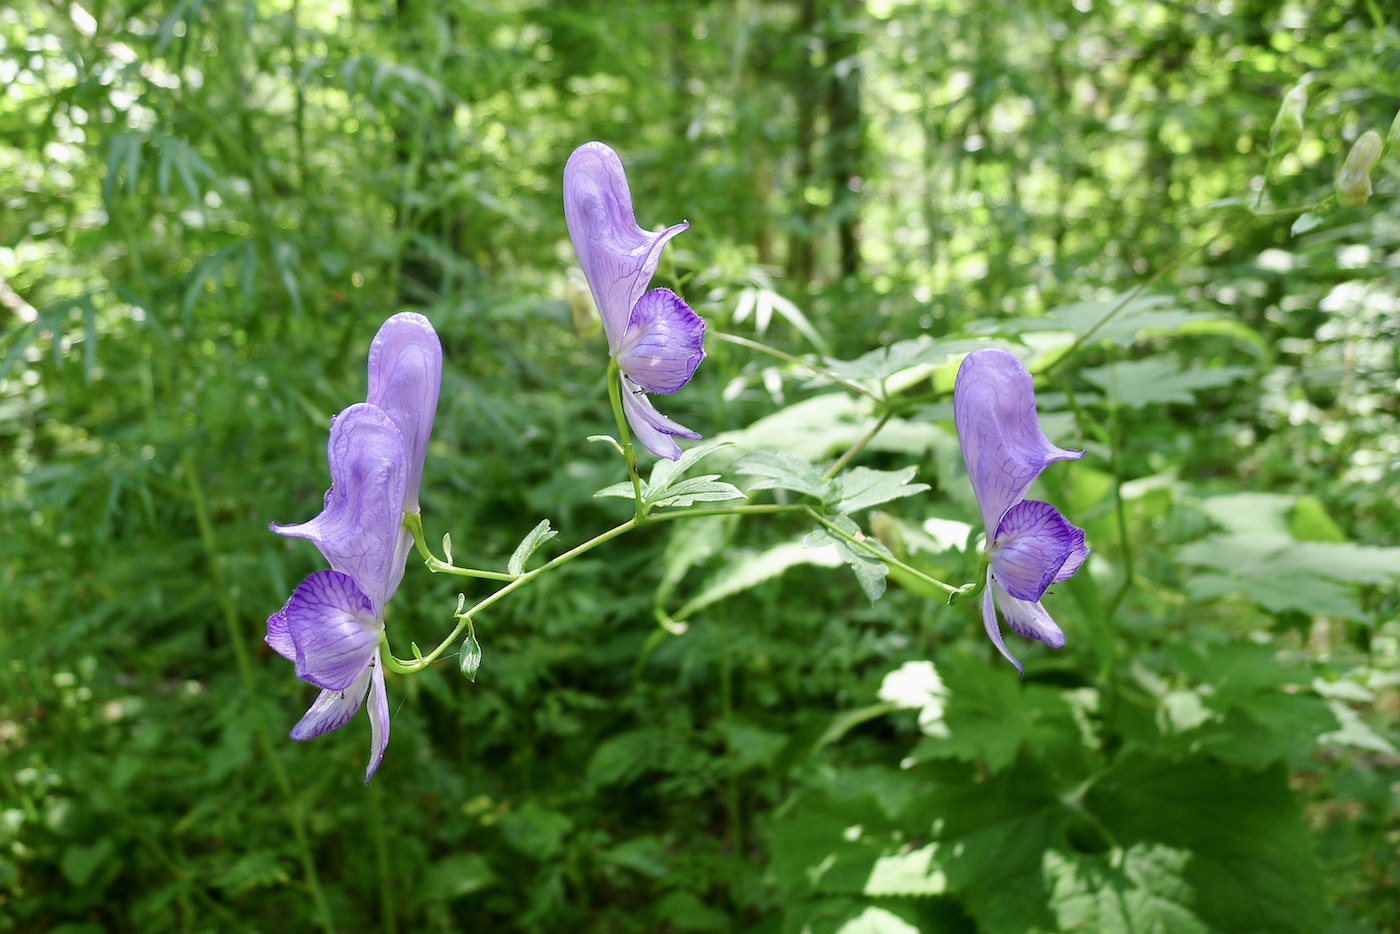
(668, 471)
(914, 873)
(537, 537)
(877, 920)
(535, 831)
(1252, 865)
(1158, 380)
(1309, 522)
(455, 875)
(1141, 891)
(749, 569)
(782, 470)
(860, 488)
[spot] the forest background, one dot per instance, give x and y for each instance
(206, 210)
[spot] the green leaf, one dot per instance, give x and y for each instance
(706, 489)
(471, 654)
(749, 569)
(782, 470)
(1305, 222)
(1158, 380)
(535, 831)
(870, 571)
(914, 873)
(622, 490)
(667, 471)
(860, 488)
(455, 875)
(692, 543)
(1142, 891)
(537, 537)
(1252, 865)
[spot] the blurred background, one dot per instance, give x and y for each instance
(207, 207)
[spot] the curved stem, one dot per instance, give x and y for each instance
(815, 368)
(860, 444)
(615, 397)
(414, 523)
(879, 554)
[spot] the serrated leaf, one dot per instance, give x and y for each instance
(705, 489)
(782, 470)
(1158, 380)
(1147, 893)
(870, 571)
(860, 488)
(749, 569)
(667, 471)
(914, 873)
(537, 537)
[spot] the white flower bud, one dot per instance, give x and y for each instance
(1353, 186)
(1288, 124)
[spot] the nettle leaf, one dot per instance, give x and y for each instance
(1159, 380)
(914, 873)
(747, 570)
(860, 488)
(537, 537)
(1142, 890)
(782, 470)
(870, 571)
(1252, 865)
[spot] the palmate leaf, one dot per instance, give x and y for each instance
(870, 571)
(1159, 380)
(783, 470)
(1144, 894)
(705, 489)
(860, 488)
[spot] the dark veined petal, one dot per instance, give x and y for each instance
(1028, 618)
(1002, 444)
(378, 717)
(360, 530)
(333, 626)
(279, 636)
(618, 257)
(652, 429)
(663, 344)
(1031, 548)
(1075, 559)
(405, 379)
(333, 709)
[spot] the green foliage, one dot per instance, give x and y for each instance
(209, 208)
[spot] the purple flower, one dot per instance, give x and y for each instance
(1030, 544)
(654, 336)
(332, 623)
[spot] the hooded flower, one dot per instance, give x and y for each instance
(331, 626)
(1030, 544)
(654, 336)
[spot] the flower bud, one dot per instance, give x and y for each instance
(1288, 124)
(580, 299)
(1354, 184)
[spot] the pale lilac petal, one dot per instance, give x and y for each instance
(333, 709)
(652, 429)
(1075, 559)
(333, 626)
(1031, 547)
(405, 378)
(989, 622)
(1002, 444)
(664, 342)
(360, 530)
(1028, 618)
(279, 637)
(378, 717)
(618, 257)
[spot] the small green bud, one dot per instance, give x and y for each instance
(1288, 124)
(580, 299)
(1354, 184)
(471, 654)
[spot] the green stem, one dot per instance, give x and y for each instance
(749, 510)
(234, 629)
(856, 448)
(1124, 540)
(798, 361)
(464, 618)
(878, 554)
(414, 523)
(615, 397)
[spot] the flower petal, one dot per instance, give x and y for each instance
(378, 717)
(989, 622)
(652, 429)
(1072, 563)
(360, 530)
(279, 637)
(333, 626)
(1028, 618)
(618, 257)
(405, 379)
(1002, 444)
(663, 344)
(1031, 547)
(333, 709)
